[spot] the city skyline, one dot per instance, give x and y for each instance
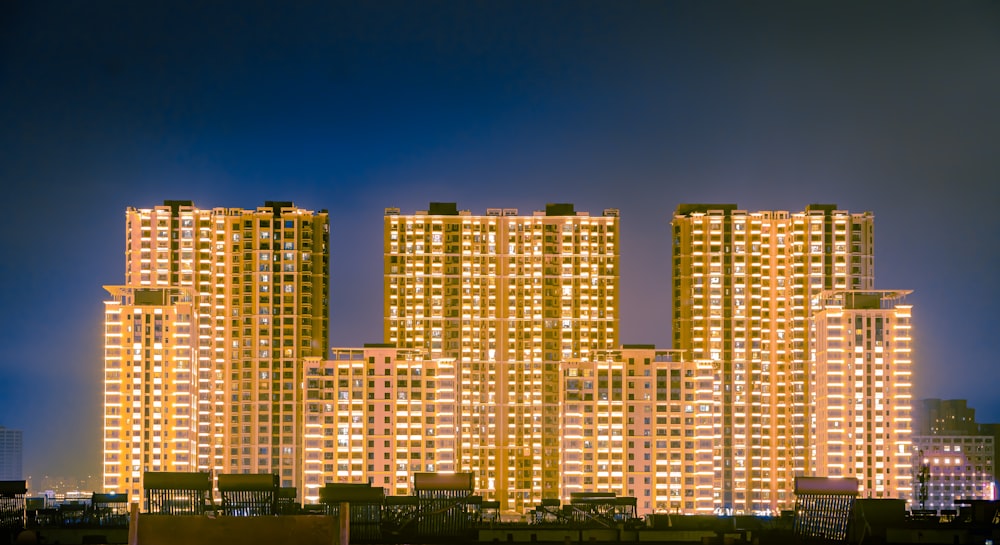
(501, 357)
(636, 108)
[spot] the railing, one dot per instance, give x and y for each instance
(249, 495)
(177, 493)
(445, 504)
(109, 510)
(365, 504)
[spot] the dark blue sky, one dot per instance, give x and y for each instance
(890, 107)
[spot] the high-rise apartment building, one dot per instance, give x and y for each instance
(11, 449)
(743, 290)
(150, 384)
(508, 297)
(861, 390)
(501, 357)
(257, 285)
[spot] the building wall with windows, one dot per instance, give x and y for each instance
(508, 297)
(638, 422)
(635, 421)
(150, 385)
(743, 285)
(377, 414)
(861, 390)
(259, 294)
(956, 467)
(944, 417)
(501, 357)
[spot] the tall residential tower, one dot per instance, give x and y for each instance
(508, 297)
(241, 296)
(861, 389)
(743, 290)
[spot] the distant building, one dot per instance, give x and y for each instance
(944, 417)
(953, 455)
(955, 467)
(11, 450)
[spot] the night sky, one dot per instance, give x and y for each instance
(892, 107)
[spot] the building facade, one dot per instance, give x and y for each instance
(258, 288)
(501, 357)
(861, 390)
(944, 417)
(638, 422)
(743, 286)
(635, 421)
(952, 467)
(11, 451)
(378, 415)
(953, 455)
(508, 297)
(150, 384)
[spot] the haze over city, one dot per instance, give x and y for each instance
(357, 107)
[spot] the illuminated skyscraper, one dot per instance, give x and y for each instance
(257, 285)
(150, 384)
(861, 392)
(508, 298)
(743, 286)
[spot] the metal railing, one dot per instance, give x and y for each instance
(177, 493)
(249, 495)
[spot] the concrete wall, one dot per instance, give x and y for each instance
(203, 530)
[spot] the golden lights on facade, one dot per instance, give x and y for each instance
(507, 297)
(377, 414)
(743, 290)
(502, 357)
(149, 385)
(862, 390)
(255, 289)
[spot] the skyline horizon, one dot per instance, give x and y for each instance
(665, 332)
(355, 108)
